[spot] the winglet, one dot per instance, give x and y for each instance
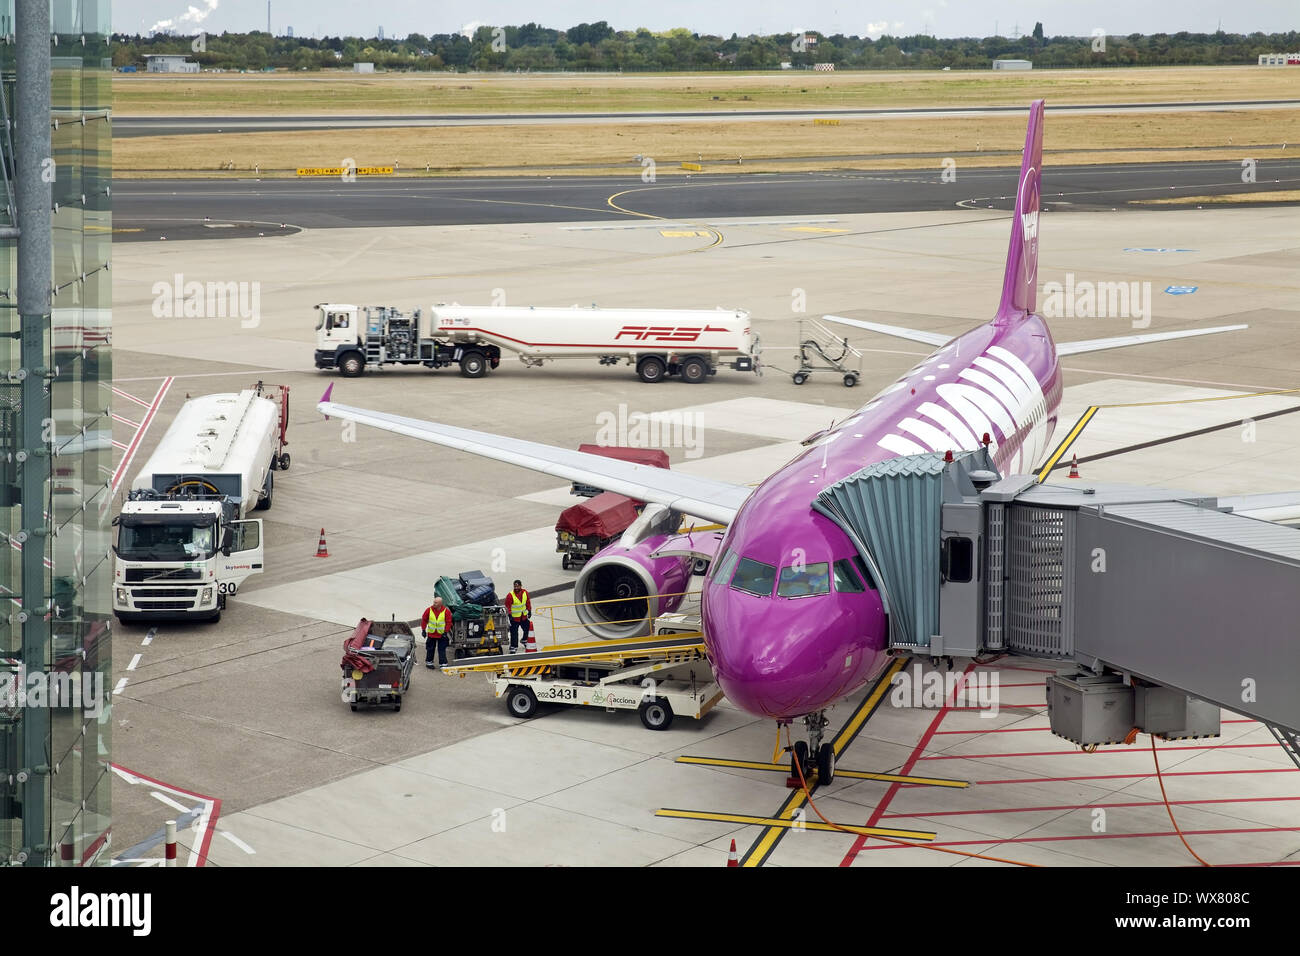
(326, 397)
(1020, 281)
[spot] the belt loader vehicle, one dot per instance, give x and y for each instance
(658, 343)
(184, 540)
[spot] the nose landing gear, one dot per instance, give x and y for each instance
(814, 756)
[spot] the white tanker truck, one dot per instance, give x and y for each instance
(183, 545)
(658, 343)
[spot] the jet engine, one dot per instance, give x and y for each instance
(630, 582)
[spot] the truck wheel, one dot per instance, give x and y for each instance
(651, 369)
(354, 708)
(352, 364)
(694, 371)
(521, 702)
(268, 493)
(655, 714)
(473, 365)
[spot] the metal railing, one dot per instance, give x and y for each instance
(548, 611)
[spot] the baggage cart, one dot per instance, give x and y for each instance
(377, 662)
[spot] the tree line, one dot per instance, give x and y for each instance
(599, 47)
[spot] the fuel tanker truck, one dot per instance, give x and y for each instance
(184, 539)
(658, 343)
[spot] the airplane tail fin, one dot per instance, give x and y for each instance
(1020, 282)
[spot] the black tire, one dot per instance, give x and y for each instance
(564, 562)
(799, 378)
(397, 707)
(521, 702)
(473, 364)
(284, 462)
(850, 380)
(800, 757)
(214, 617)
(651, 369)
(825, 764)
(694, 370)
(265, 503)
(354, 708)
(352, 364)
(656, 714)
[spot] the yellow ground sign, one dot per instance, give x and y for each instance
(693, 167)
(826, 122)
(339, 170)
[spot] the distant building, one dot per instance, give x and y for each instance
(169, 63)
(363, 68)
(1279, 59)
(1013, 64)
(289, 34)
(786, 65)
(824, 67)
(381, 34)
(809, 40)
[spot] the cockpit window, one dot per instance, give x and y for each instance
(722, 569)
(755, 577)
(806, 580)
(862, 570)
(846, 579)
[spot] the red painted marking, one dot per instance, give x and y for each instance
(1130, 776)
(140, 433)
(1025, 730)
(906, 769)
(212, 819)
(94, 847)
(1062, 753)
(1089, 806)
(994, 841)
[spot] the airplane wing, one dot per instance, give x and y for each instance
(898, 331)
(1099, 345)
(702, 497)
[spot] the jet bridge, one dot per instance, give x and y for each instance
(1161, 605)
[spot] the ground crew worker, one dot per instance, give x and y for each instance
(520, 606)
(437, 631)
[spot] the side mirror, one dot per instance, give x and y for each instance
(227, 540)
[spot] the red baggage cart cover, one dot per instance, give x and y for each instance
(605, 515)
(655, 457)
(351, 659)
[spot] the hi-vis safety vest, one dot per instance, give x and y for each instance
(437, 625)
(518, 605)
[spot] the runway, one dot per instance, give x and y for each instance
(129, 126)
(147, 210)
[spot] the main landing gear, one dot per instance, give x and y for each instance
(814, 755)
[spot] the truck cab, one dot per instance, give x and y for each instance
(181, 558)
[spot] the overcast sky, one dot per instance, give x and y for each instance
(944, 18)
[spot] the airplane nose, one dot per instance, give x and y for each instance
(786, 658)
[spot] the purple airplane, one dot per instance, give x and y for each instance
(792, 618)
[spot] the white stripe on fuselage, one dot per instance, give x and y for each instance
(997, 388)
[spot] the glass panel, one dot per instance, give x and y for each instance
(846, 580)
(806, 581)
(722, 570)
(754, 577)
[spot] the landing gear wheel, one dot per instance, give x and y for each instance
(694, 370)
(655, 714)
(825, 764)
(521, 702)
(473, 364)
(651, 369)
(850, 380)
(799, 378)
(284, 462)
(799, 759)
(352, 365)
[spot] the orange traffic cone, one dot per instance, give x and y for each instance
(321, 550)
(1074, 467)
(732, 859)
(530, 642)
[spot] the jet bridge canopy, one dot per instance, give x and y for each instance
(1164, 598)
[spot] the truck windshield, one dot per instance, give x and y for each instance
(166, 541)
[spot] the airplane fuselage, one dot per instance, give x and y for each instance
(791, 620)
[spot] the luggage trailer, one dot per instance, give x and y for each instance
(658, 677)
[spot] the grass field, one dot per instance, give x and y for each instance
(287, 93)
(787, 145)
